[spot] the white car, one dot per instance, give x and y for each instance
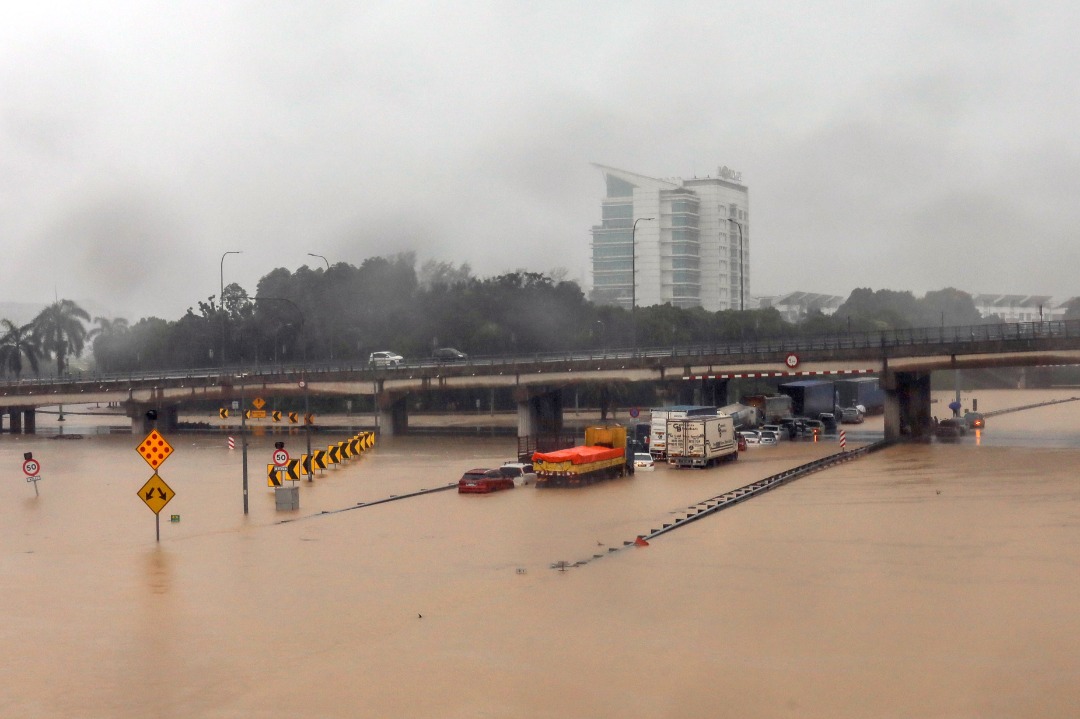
(768, 437)
(522, 473)
(385, 359)
(643, 460)
(752, 437)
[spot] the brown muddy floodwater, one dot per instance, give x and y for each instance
(935, 580)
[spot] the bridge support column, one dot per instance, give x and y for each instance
(540, 412)
(16, 420)
(907, 405)
(166, 418)
(714, 393)
(29, 421)
(393, 414)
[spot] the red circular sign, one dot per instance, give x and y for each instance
(31, 467)
(281, 458)
(792, 360)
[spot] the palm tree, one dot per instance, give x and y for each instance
(107, 340)
(60, 331)
(16, 344)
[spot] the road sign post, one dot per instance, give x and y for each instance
(32, 469)
(155, 449)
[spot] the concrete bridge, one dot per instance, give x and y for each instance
(903, 359)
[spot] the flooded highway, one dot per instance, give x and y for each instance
(935, 580)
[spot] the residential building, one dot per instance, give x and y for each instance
(1018, 308)
(794, 306)
(673, 240)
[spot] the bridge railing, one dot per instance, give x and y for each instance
(776, 346)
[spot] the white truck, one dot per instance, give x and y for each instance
(701, 441)
(658, 419)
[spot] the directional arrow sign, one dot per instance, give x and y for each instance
(332, 453)
(292, 471)
(319, 458)
(156, 494)
(223, 413)
(305, 464)
(309, 418)
(273, 479)
(293, 417)
(276, 415)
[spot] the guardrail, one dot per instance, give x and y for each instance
(880, 341)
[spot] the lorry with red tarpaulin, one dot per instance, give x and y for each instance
(603, 456)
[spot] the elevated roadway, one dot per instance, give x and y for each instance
(904, 359)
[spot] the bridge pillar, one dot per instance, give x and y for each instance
(29, 421)
(167, 418)
(16, 420)
(714, 393)
(907, 405)
(393, 414)
(540, 412)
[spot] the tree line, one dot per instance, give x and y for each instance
(342, 313)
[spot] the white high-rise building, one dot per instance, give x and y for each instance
(693, 252)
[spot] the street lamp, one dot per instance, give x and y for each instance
(312, 254)
(221, 300)
(742, 266)
(633, 279)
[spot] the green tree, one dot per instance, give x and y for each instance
(108, 340)
(16, 344)
(60, 331)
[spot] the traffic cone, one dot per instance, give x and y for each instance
(640, 542)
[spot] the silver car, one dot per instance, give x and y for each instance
(385, 358)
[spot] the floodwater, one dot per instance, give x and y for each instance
(936, 580)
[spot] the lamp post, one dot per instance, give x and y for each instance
(303, 372)
(312, 254)
(633, 280)
(221, 299)
(742, 266)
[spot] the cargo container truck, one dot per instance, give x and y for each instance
(864, 391)
(659, 417)
(701, 441)
(810, 397)
(771, 408)
(744, 416)
(603, 456)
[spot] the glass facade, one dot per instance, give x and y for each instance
(691, 227)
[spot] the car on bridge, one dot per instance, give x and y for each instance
(449, 354)
(385, 358)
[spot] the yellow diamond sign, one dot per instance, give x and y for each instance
(258, 403)
(154, 449)
(156, 493)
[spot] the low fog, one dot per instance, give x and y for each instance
(912, 146)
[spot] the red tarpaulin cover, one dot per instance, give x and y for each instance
(578, 455)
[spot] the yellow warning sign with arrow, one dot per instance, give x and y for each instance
(156, 494)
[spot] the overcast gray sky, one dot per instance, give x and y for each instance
(898, 145)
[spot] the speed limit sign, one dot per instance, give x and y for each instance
(31, 467)
(281, 458)
(792, 360)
